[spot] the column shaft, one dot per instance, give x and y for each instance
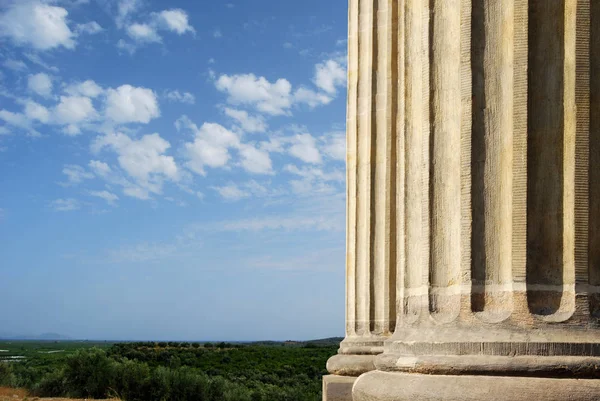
(444, 297)
(492, 161)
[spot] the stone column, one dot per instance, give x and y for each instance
(371, 193)
(474, 198)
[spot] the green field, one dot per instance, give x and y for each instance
(267, 371)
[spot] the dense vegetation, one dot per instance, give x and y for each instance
(169, 371)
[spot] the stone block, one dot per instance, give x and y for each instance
(387, 386)
(337, 388)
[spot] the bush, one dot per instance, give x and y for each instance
(159, 387)
(132, 382)
(90, 374)
(188, 385)
(7, 377)
(53, 384)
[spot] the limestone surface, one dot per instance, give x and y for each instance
(473, 199)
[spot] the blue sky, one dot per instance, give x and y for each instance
(172, 169)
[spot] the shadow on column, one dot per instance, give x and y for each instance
(546, 157)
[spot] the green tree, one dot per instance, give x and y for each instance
(90, 373)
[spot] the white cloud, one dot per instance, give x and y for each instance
(40, 84)
(143, 160)
(210, 147)
(271, 98)
(91, 28)
(217, 34)
(76, 174)
(37, 24)
(175, 20)
(65, 205)
(15, 65)
(114, 177)
(87, 88)
(247, 122)
(73, 110)
(334, 145)
(36, 111)
(72, 130)
(255, 160)
(15, 119)
(176, 96)
(311, 98)
(124, 9)
(330, 75)
(231, 192)
(128, 47)
(128, 104)
(99, 168)
(313, 173)
(35, 59)
(137, 192)
(304, 147)
(143, 33)
(314, 180)
(109, 197)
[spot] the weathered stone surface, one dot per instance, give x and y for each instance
(384, 386)
(350, 365)
(337, 388)
(473, 164)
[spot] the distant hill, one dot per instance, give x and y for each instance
(39, 337)
(322, 342)
(326, 341)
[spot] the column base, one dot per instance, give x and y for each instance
(391, 386)
(338, 388)
(350, 365)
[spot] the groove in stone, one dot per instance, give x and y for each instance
(550, 158)
(426, 15)
(519, 220)
(351, 168)
(445, 169)
(376, 264)
(594, 154)
(465, 152)
(384, 180)
(415, 198)
(582, 140)
(392, 106)
(492, 158)
(364, 162)
(400, 151)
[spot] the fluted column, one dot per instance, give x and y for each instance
(473, 200)
(371, 191)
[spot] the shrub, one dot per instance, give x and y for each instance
(7, 377)
(132, 382)
(53, 384)
(90, 373)
(189, 385)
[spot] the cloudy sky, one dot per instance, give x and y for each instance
(172, 169)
